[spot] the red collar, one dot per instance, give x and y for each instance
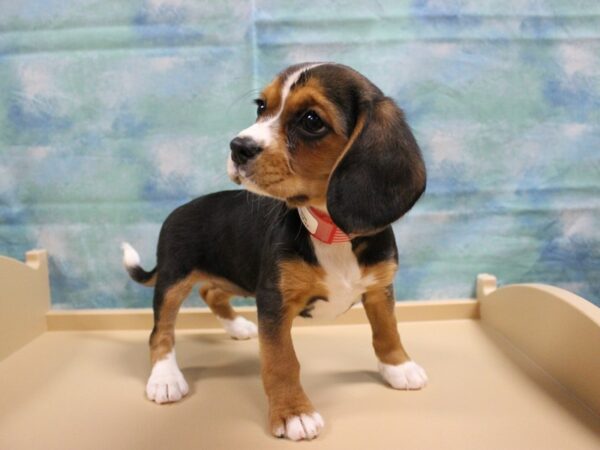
(320, 225)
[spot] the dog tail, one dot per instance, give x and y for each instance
(131, 261)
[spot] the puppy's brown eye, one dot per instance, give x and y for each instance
(312, 124)
(261, 106)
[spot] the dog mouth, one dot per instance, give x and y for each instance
(241, 175)
(234, 172)
(245, 179)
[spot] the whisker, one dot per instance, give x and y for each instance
(251, 93)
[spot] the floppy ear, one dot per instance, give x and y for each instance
(380, 175)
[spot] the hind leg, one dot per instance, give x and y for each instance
(166, 382)
(217, 300)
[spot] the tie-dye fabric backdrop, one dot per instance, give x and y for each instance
(114, 112)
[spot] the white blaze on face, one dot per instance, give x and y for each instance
(263, 132)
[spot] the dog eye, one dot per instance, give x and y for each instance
(312, 123)
(261, 106)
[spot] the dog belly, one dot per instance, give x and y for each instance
(334, 306)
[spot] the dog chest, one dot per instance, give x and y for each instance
(343, 279)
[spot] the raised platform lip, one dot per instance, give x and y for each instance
(582, 305)
(555, 328)
(487, 285)
(199, 318)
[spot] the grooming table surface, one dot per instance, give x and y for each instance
(85, 390)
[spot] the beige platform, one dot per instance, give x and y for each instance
(524, 375)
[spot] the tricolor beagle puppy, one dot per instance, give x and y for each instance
(329, 164)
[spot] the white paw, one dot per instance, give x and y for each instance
(166, 382)
(408, 375)
(240, 328)
(304, 426)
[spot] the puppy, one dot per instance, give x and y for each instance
(329, 164)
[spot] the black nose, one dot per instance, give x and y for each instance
(243, 149)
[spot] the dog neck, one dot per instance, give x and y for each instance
(320, 225)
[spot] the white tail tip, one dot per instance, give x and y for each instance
(130, 256)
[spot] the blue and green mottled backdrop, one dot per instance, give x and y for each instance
(114, 112)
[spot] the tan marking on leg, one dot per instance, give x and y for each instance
(217, 300)
(382, 273)
(281, 374)
(151, 282)
(299, 282)
(379, 305)
(223, 284)
(162, 339)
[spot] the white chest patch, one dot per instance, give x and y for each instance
(344, 281)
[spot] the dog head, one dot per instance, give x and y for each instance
(325, 136)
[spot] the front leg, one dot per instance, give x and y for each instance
(395, 365)
(291, 414)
